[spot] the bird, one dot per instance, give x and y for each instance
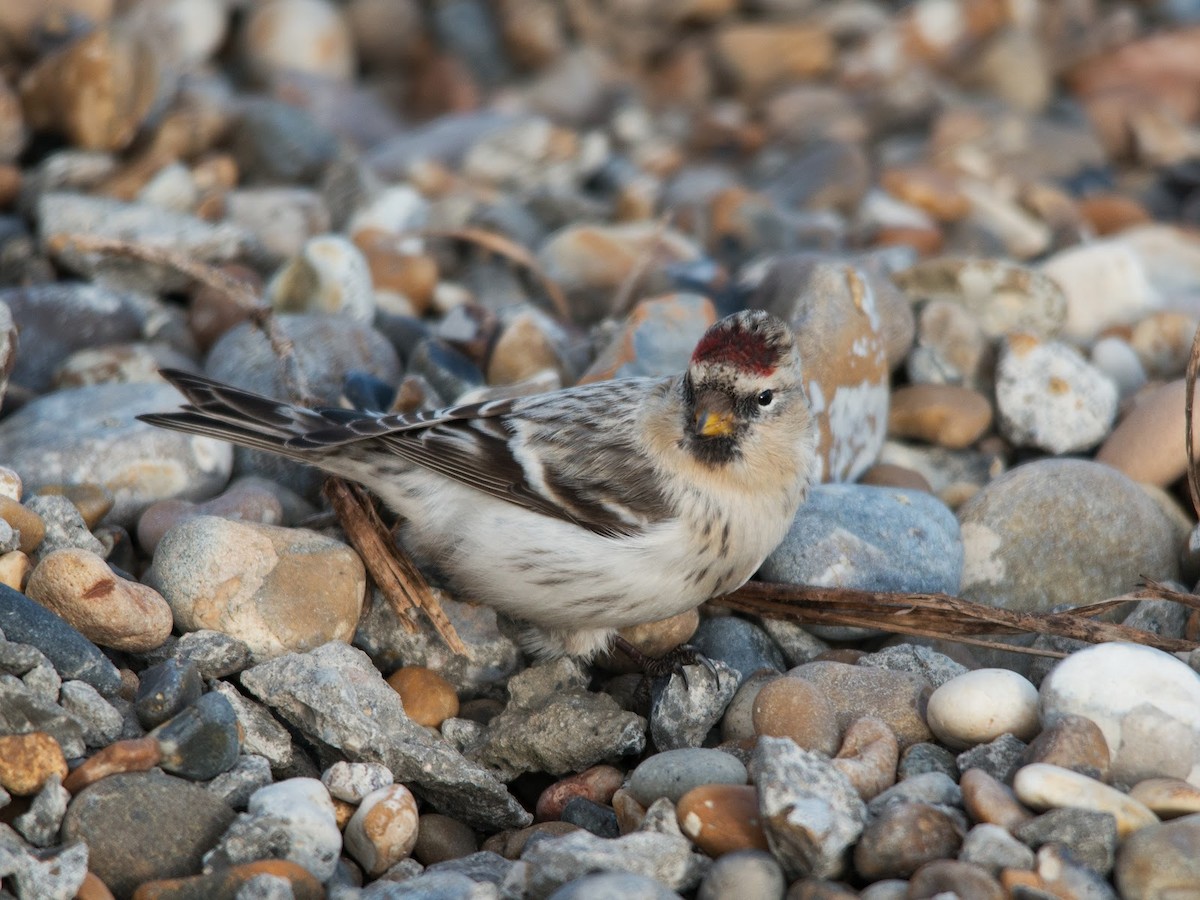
(579, 511)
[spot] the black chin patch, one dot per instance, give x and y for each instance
(713, 451)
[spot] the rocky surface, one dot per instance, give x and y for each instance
(981, 219)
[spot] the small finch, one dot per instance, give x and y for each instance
(578, 511)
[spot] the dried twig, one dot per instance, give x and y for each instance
(396, 575)
(944, 616)
(210, 276)
(1193, 367)
(513, 252)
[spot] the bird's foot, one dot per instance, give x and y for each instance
(673, 662)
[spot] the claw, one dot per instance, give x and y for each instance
(674, 662)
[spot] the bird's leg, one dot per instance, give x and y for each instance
(670, 663)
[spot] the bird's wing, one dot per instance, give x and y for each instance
(570, 454)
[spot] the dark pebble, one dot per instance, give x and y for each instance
(72, 655)
(145, 826)
(600, 820)
(166, 690)
(739, 644)
(202, 741)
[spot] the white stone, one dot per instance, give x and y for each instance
(302, 809)
(1145, 701)
(1116, 359)
(399, 209)
(977, 707)
(1105, 284)
(383, 830)
(1043, 786)
(331, 275)
(352, 781)
(1048, 396)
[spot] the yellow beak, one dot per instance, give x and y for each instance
(713, 424)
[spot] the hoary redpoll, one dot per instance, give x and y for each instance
(578, 511)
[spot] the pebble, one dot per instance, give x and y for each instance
(259, 731)
(429, 699)
(673, 773)
(868, 756)
(292, 820)
(200, 742)
(1143, 700)
(1116, 359)
(1167, 798)
(869, 538)
(352, 782)
(440, 838)
(722, 818)
(837, 318)
(1148, 444)
(665, 858)
(936, 668)
(896, 698)
(1043, 786)
(102, 722)
(1105, 284)
(1053, 531)
(597, 784)
(132, 755)
(656, 339)
(107, 609)
(1075, 743)
(956, 877)
(809, 810)
(593, 817)
(65, 527)
(214, 653)
(994, 849)
(165, 690)
(236, 785)
(796, 709)
(979, 706)
(384, 829)
(904, 837)
(738, 721)
(1000, 758)
(122, 820)
(750, 873)
(948, 415)
(613, 884)
(72, 655)
(329, 276)
(264, 878)
(245, 501)
(28, 524)
(684, 710)
(1159, 860)
(951, 347)
(27, 761)
(90, 435)
(263, 569)
(1049, 397)
(40, 823)
(739, 644)
(1090, 835)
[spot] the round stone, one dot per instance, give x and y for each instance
(123, 819)
(1075, 743)
(246, 501)
(289, 36)
(597, 784)
(902, 838)
(722, 818)
(243, 579)
(384, 829)
(743, 873)
(942, 414)
(1146, 702)
(796, 709)
(1042, 786)
(352, 781)
(1060, 532)
(1160, 860)
(979, 706)
(440, 838)
(112, 612)
(91, 435)
(1148, 443)
(673, 773)
(27, 761)
(428, 698)
(896, 698)
(991, 801)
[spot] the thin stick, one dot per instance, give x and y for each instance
(944, 616)
(394, 572)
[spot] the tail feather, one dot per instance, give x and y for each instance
(240, 417)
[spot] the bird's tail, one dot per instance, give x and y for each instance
(230, 414)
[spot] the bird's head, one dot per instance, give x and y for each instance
(744, 378)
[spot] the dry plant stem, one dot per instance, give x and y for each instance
(1193, 367)
(394, 572)
(512, 251)
(940, 616)
(210, 276)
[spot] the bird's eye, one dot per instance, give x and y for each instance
(765, 397)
